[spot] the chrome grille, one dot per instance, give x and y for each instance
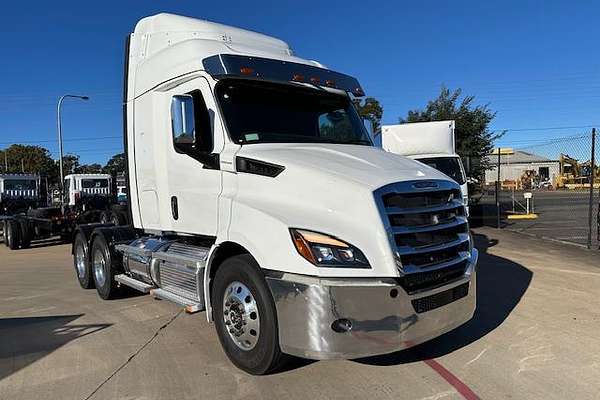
(428, 232)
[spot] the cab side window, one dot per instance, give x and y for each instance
(190, 124)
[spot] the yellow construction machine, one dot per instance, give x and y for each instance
(575, 175)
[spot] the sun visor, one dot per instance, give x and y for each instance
(232, 65)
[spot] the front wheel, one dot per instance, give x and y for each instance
(25, 234)
(105, 217)
(5, 231)
(116, 218)
(245, 316)
(12, 235)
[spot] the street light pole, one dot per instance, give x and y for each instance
(60, 140)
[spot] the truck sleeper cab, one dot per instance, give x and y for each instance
(256, 194)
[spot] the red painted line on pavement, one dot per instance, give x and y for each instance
(449, 377)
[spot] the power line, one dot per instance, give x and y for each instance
(546, 129)
(65, 140)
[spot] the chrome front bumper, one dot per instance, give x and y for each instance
(378, 322)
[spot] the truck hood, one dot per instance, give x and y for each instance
(367, 166)
(324, 188)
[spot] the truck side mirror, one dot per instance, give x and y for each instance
(182, 120)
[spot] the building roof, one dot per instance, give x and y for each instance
(518, 157)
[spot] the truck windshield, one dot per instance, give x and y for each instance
(263, 112)
(19, 184)
(450, 166)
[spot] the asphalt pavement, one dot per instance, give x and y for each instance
(562, 215)
(534, 336)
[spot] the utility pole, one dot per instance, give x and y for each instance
(60, 141)
(591, 203)
(498, 191)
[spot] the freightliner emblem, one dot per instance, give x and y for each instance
(425, 185)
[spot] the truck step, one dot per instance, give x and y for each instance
(190, 306)
(133, 283)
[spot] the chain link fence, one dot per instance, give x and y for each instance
(550, 189)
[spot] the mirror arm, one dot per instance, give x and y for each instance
(209, 160)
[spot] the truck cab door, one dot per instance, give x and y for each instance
(193, 174)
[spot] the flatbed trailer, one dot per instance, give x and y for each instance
(19, 230)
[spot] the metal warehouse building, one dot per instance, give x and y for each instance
(513, 166)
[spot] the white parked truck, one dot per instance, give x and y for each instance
(256, 195)
(432, 143)
(87, 198)
(19, 192)
(78, 187)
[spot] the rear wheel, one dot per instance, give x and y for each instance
(81, 262)
(245, 316)
(103, 269)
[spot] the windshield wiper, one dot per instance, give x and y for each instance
(359, 141)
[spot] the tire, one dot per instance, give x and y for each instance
(103, 269)
(25, 234)
(116, 218)
(81, 262)
(260, 354)
(105, 217)
(13, 234)
(4, 231)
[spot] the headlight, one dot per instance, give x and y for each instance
(326, 251)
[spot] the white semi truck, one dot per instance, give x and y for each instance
(78, 187)
(87, 198)
(432, 143)
(19, 192)
(256, 195)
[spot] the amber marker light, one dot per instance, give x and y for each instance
(302, 247)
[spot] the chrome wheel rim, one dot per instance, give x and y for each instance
(99, 267)
(80, 260)
(240, 314)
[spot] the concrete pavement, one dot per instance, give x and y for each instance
(535, 335)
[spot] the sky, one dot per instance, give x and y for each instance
(536, 63)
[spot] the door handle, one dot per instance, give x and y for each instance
(174, 208)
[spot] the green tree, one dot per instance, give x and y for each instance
(371, 110)
(94, 168)
(474, 139)
(70, 164)
(115, 165)
(28, 159)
